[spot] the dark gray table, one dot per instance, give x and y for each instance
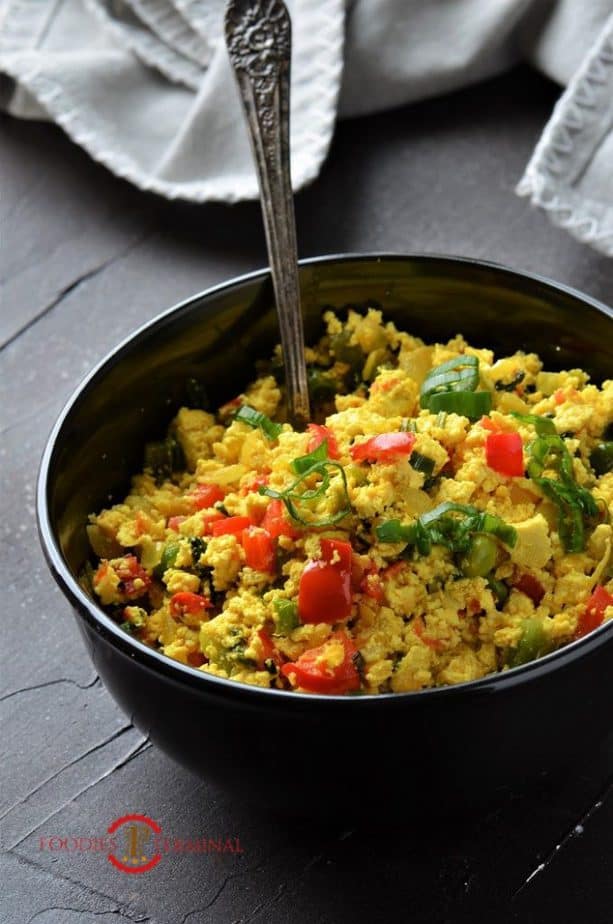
(85, 259)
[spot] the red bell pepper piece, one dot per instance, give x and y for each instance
(196, 659)
(269, 650)
(394, 570)
(313, 674)
(206, 495)
(275, 521)
(336, 552)
(504, 453)
(187, 602)
(371, 586)
(319, 434)
(231, 526)
(531, 587)
(215, 516)
(230, 406)
(383, 448)
(324, 594)
(175, 522)
(593, 614)
(259, 549)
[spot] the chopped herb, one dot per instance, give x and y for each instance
(512, 385)
(127, 627)
(285, 616)
(248, 415)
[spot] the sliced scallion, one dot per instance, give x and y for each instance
(471, 404)
(256, 419)
(458, 374)
(421, 463)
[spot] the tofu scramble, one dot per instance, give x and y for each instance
(447, 517)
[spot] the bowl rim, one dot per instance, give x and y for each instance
(151, 659)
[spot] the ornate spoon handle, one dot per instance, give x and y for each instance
(258, 37)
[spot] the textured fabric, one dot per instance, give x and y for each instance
(145, 86)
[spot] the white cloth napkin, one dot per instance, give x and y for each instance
(145, 86)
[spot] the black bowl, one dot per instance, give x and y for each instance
(377, 754)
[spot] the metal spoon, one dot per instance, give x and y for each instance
(258, 38)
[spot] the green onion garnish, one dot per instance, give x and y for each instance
(248, 415)
(303, 463)
(440, 526)
(458, 374)
(575, 504)
(471, 404)
(451, 387)
(421, 463)
(291, 497)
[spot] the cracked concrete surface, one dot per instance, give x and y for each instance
(85, 260)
